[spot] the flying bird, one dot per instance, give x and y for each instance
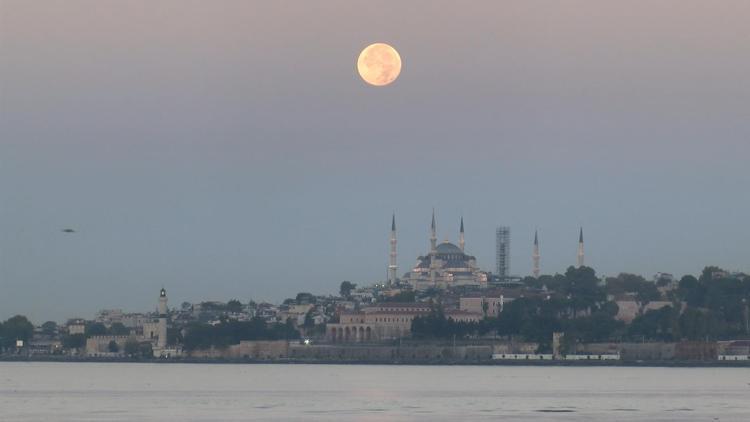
(68, 231)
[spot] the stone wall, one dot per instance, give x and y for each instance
(273, 349)
(375, 353)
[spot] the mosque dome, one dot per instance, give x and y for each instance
(448, 248)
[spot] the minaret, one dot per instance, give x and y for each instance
(433, 250)
(461, 241)
(433, 234)
(580, 248)
(161, 343)
(535, 256)
(392, 266)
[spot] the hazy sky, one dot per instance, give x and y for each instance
(228, 149)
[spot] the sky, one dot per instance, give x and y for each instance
(228, 149)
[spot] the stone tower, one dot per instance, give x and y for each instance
(433, 234)
(392, 265)
(535, 256)
(162, 340)
(580, 248)
(461, 240)
(433, 250)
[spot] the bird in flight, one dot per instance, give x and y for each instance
(68, 231)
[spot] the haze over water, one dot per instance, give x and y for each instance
(200, 393)
(229, 149)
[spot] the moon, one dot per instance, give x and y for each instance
(379, 64)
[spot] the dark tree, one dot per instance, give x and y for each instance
(118, 329)
(345, 290)
(406, 296)
(113, 347)
(96, 329)
(304, 298)
(49, 328)
(74, 341)
(228, 331)
(15, 328)
(234, 305)
(132, 347)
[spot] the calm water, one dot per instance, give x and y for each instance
(153, 392)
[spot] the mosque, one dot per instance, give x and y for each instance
(446, 265)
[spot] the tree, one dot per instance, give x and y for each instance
(699, 325)
(234, 305)
(118, 329)
(657, 324)
(304, 298)
(229, 331)
(74, 341)
(345, 290)
(645, 291)
(113, 347)
(146, 350)
(708, 273)
(49, 328)
(610, 308)
(406, 296)
(582, 286)
(96, 329)
(309, 320)
(131, 347)
(16, 328)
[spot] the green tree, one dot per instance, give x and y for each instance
(234, 305)
(309, 320)
(700, 325)
(113, 347)
(49, 328)
(131, 347)
(345, 290)
(582, 287)
(406, 296)
(658, 324)
(96, 329)
(74, 341)
(229, 331)
(146, 350)
(118, 329)
(16, 328)
(708, 272)
(304, 298)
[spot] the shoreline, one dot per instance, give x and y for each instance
(556, 363)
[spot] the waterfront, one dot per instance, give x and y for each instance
(198, 392)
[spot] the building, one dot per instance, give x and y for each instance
(628, 308)
(489, 306)
(502, 252)
(385, 321)
(100, 345)
(446, 265)
(76, 326)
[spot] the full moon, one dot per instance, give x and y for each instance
(379, 64)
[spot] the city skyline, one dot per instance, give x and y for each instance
(216, 150)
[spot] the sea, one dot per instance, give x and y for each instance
(288, 392)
